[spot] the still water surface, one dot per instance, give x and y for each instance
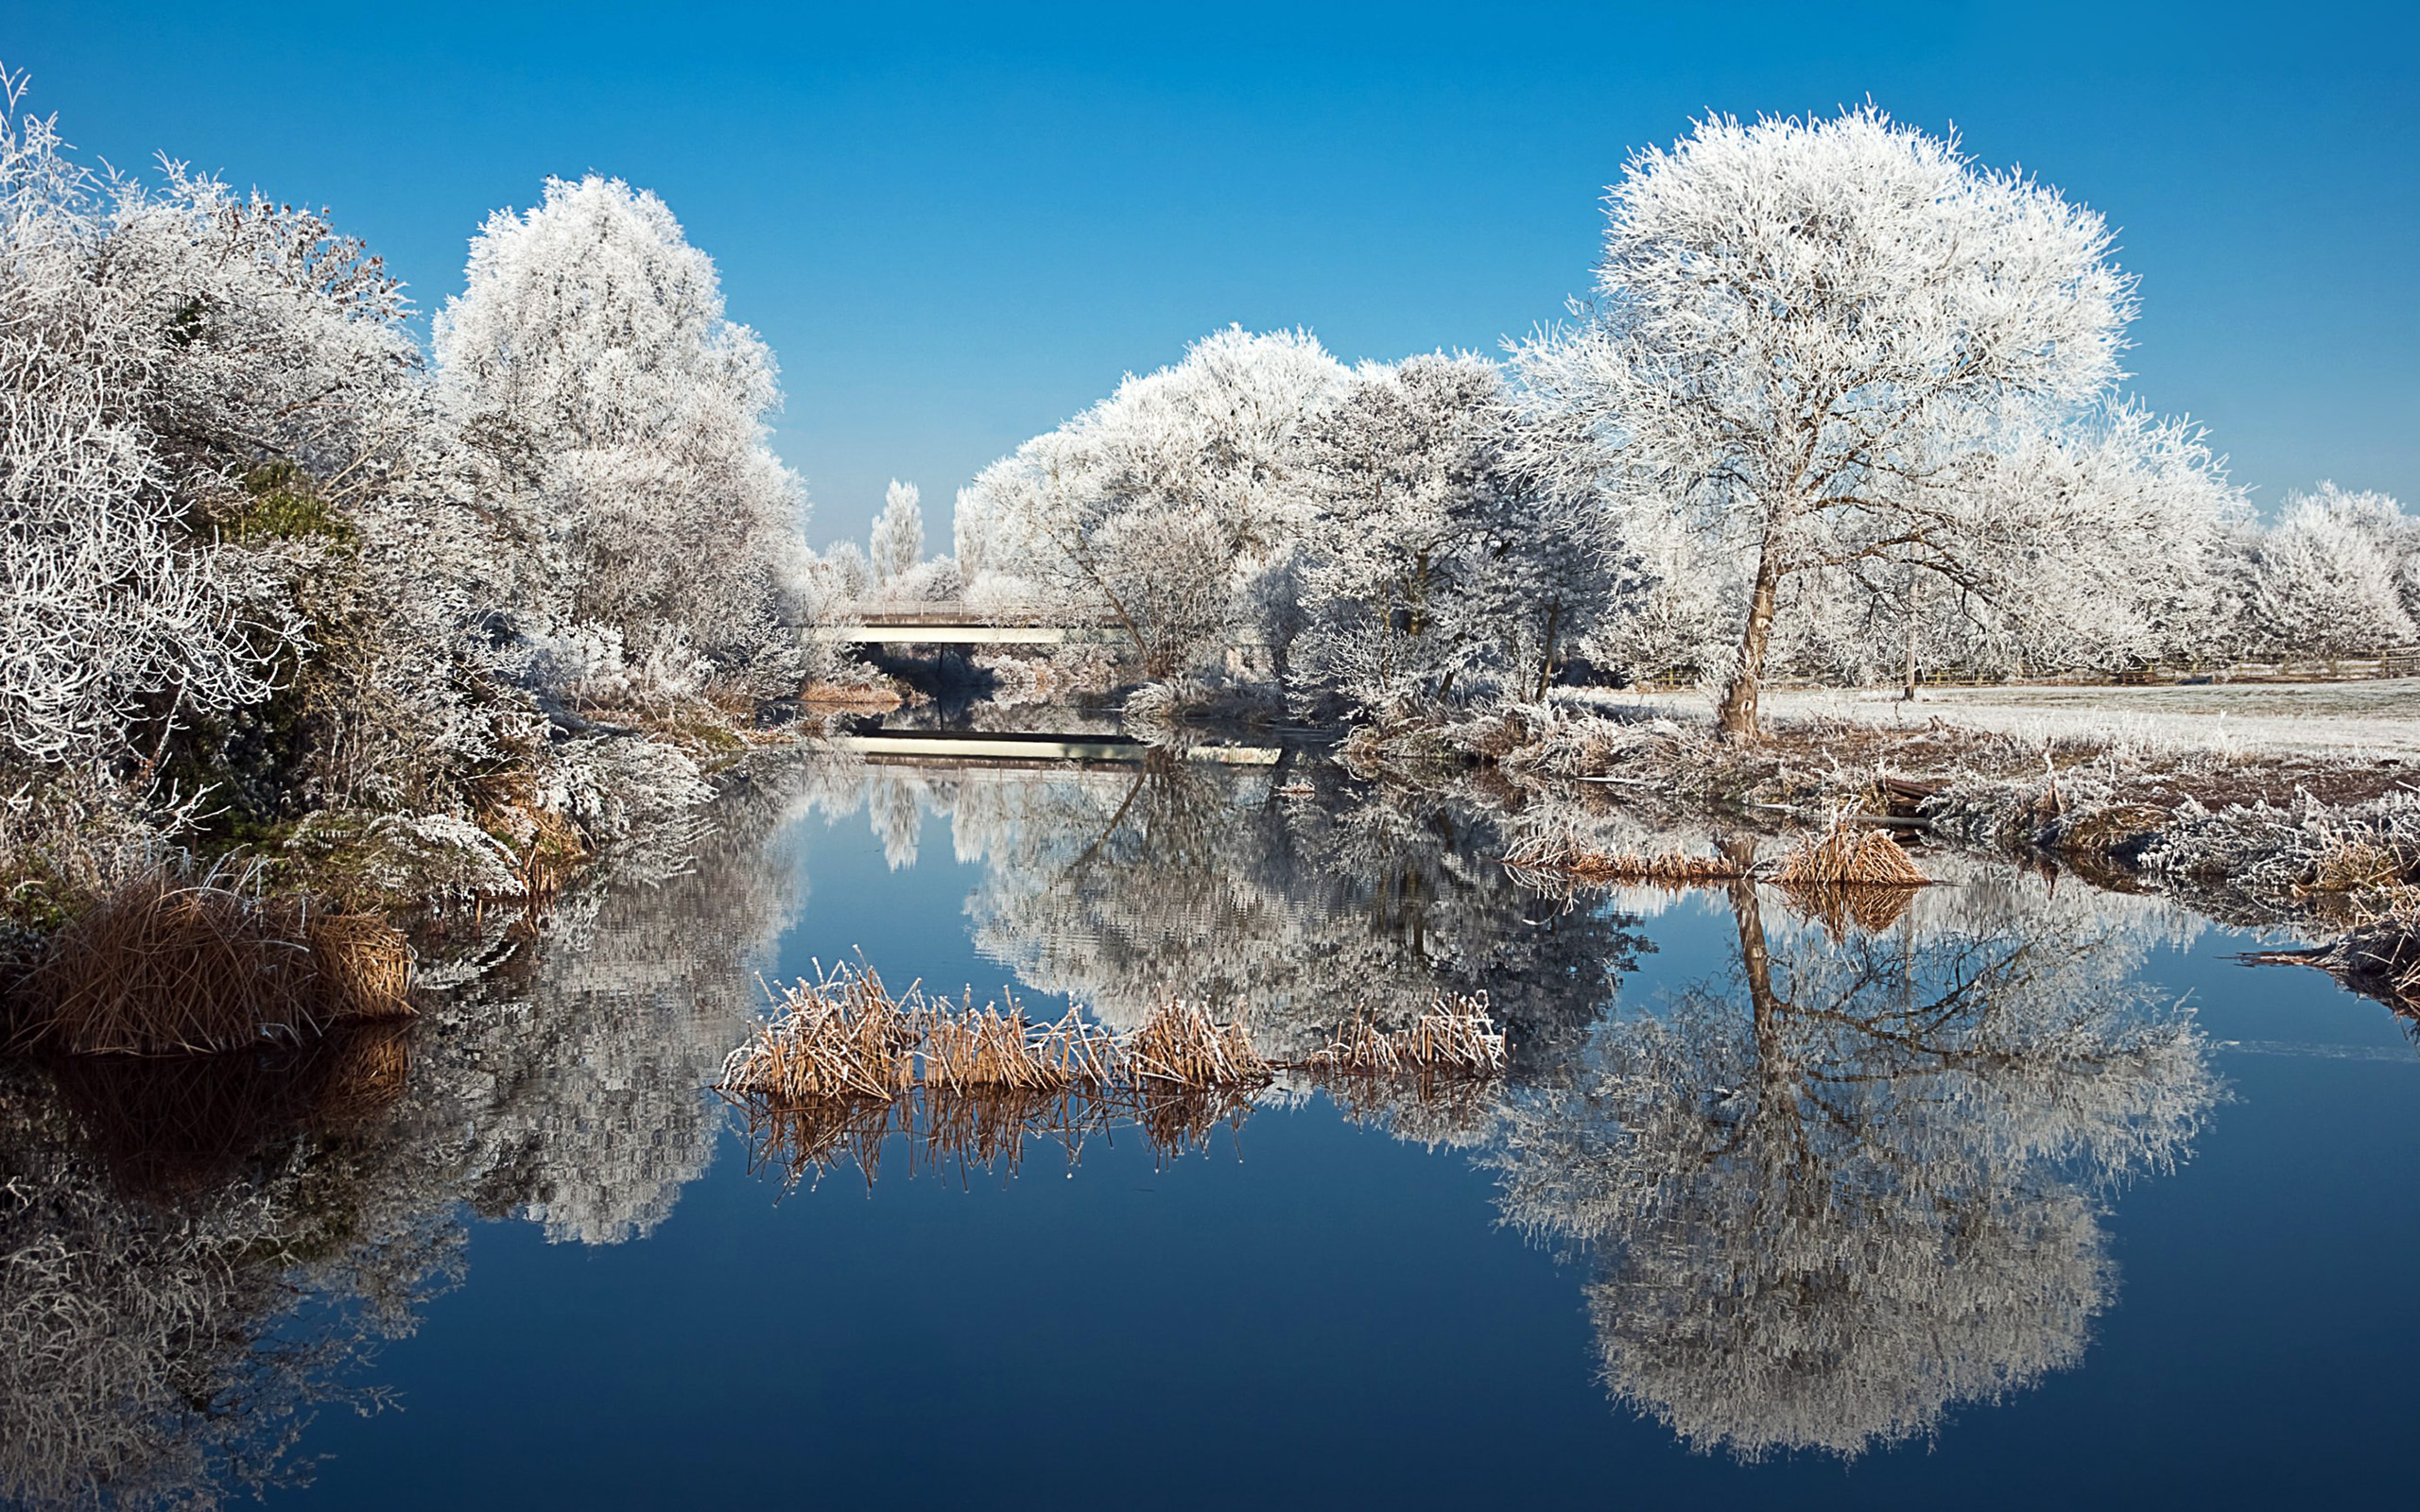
(2023, 1195)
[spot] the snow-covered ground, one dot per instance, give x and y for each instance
(2355, 719)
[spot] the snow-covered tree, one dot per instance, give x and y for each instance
(1818, 343)
(1161, 504)
(625, 421)
(1432, 552)
(2338, 573)
(2103, 494)
(898, 541)
(115, 614)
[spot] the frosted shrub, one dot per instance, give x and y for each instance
(584, 663)
(616, 787)
(2339, 573)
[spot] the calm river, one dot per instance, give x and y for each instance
(2022, 1194)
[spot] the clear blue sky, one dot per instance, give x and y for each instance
(958, 227)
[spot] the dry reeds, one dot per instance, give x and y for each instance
(1851, 856)
(2356, 867)
(1453, 1038)
(168, 965)
(844, 1064)
(1569, 861)
(1181, 1045)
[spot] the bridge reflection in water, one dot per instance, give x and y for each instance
(990, 748)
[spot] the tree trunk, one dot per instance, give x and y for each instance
(1736, 720)
(1908, 689)
(1546, 661)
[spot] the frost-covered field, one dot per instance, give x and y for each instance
(2355, 719)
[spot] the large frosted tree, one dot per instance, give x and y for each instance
(1817, 343)
(590, 359)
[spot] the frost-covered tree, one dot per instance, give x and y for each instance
(120, 610)
(898, 539)
(235, 557)
(624, 419)
(1160, 505)
(2102, 495)
(2338, 573)
(1432, 550)
(1820, 343)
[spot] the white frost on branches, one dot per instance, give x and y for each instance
(1831, 347)
(898, 542)
(624, 419)
(2338, 573)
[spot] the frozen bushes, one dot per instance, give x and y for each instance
(251, 546)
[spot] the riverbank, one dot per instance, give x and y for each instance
(109, 893)
(2291, 809)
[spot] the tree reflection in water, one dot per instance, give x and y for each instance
(196, 1255)
(1860, 1180)
(1855, 1182)
(1827, 1197)
(1292, 909)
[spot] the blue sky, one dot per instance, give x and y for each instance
(957, 225)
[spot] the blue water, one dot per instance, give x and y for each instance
(1312, 1312)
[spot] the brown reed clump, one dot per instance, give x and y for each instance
(1567, 860)
(1181, 1045)
(1453, 1038)
(843, 1065)
(841, 1036)
(966, 1048)
(1850, 854)
(167, 965)
(1845, 908)
(2357, 866)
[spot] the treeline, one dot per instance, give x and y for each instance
(1845, 404)
(264, 561)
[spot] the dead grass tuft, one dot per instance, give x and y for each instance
(841, 1036)
(2352, 866)
(1453, 1038)
(167, 965)
(1567, 860)
(1850, 855)
(1181, 1045)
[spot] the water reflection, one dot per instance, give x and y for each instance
(1826, 1194)
(1846, 1179)
(1858, 1179)
(197, 1254)
(1272, 893)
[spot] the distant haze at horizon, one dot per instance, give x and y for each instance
(958, 230)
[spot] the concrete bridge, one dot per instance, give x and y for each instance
(953, 625)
